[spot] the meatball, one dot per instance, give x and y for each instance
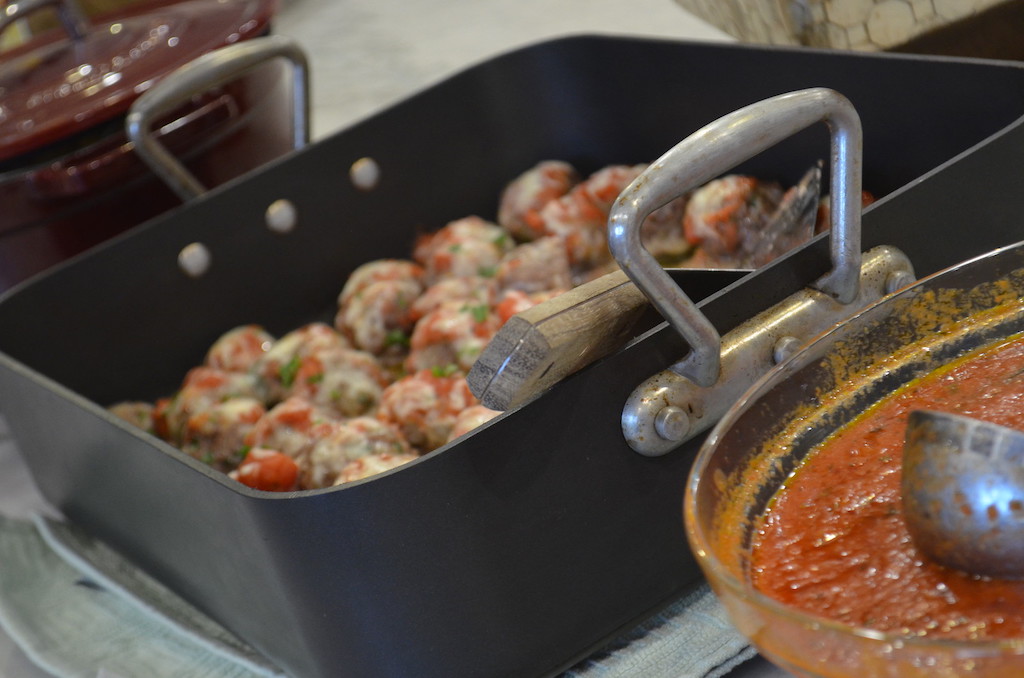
(238, 349)
(379, 316)
(466, 247)
(724, 213)
(581, 227)
(605, 185)
(135, 412)
(202, 388)
(522, 200)
(580, 217)
(291, 427)
(424, 406)
(351, 440)
(537, 266)
(514, 301)
(469, 419)
(662, 232)
(371, 465)
(278, 366)
(474, 290)
(454, 333)
(376, 271)
(343, 381)
(217, 434)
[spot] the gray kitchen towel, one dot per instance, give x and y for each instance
(692, 638)
(96, 615)
(79, 610)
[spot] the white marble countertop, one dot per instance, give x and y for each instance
(367, 54)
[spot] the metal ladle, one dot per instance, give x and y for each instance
(963, 493)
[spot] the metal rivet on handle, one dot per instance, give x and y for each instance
(784, 349)
(672, 423)
(281, 216)
(194, 259)
(897, 280)
(365, 174)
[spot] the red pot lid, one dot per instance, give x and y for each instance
(54, 90)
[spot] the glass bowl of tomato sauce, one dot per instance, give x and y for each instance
(793, 506)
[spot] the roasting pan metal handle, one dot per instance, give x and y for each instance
(541, 346)
(201, 74)
(712, 151)
(676, 404)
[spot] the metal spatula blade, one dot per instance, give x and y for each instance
(963, 493)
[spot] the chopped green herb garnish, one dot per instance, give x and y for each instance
(444, 370)
(479, 311)
(315, 378)
(487, 271)
(470, 352)
(289, 370)
(396, 338)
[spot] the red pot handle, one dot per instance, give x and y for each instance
(74, 20)
(110, 162)
(206, 72)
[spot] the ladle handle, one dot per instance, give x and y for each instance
(203, 73)
(707, 154)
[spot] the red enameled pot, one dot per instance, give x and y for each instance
(69, 177)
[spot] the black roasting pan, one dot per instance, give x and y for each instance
(527, 545)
